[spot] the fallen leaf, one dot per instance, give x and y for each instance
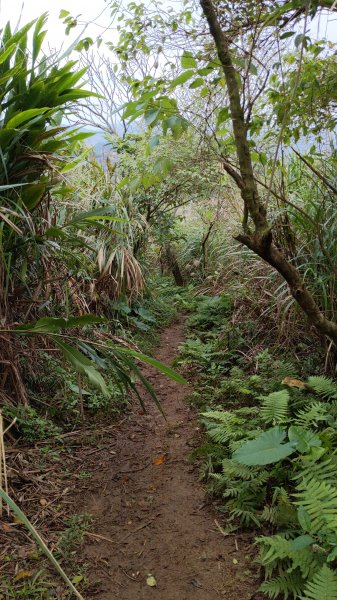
(43, 502)
(159, 460)
(291, 382)
(150, 580)
(17, 520)
(77, 579)
(22, 575)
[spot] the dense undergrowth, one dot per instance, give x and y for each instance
(270, 447)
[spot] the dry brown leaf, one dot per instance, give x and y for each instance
(159, 460)
(291, 382)
(23, 575)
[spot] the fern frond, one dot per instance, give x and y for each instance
(311, 416)
(322, 587)
(320, 471)
(270, 514)
(285, 369)
(319, 499)
(282, 515)
(232, 470)
(273, 548)
(274, 407)
(247, 517)
(323, 386)
(219, 434)
(290, 585)
(222, 416)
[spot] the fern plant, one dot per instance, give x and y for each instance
(274, 407)
(323, 586)
(285, 476)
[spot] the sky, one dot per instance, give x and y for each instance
(98, 11)
(90, 10)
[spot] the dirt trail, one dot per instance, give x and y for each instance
(157, 514)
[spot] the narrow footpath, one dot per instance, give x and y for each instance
(147, 500)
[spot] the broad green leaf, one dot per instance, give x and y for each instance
(301, 542)
(151, 116)
(154, 141)
(188, 61)
(196, 83)
(162, 166)
(303, 439)
(182, 78)
(267, 448)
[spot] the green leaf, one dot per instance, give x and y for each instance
(154, 141)
(82, 365)
(304, 519)
(157, 364)
(253, 69)
(188, 61)
(323, 586)
(301, 542)
(105, 212)
(267, 448)
(25, 115)
(182, 78)
(287, 34)
(55, 324)
(196, 83)
(4, 54)
(303, 439)
(151, 116)
(162, 166)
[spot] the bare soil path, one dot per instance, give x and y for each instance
(148, 501)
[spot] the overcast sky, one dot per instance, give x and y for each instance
(90, 10)
(98, 11)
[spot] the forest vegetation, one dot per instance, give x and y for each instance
(213, 197)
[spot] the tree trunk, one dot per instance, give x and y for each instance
(172, 263)
(260, 240)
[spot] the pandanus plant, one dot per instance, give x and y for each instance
(36, 148)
